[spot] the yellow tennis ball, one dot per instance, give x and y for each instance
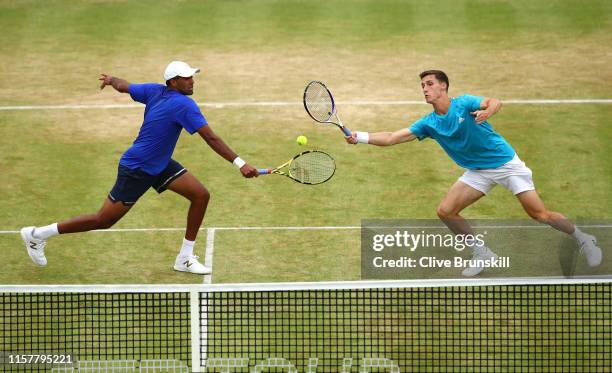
(301, 140)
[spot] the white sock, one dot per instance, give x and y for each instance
(187, 248)
(579, 235)
(477, 245)
(479, 248)
(43, 233)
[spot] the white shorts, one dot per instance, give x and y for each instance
(514, 176)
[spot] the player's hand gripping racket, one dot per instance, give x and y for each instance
(309, 167)
(319, 104)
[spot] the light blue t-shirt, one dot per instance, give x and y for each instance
(470, 145)
(166, 113)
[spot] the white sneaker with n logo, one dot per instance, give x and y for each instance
(35, 247)
(191, 264)
(590, 250)
(475, 267)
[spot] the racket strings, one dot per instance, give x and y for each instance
(312, 168)
(318, 102)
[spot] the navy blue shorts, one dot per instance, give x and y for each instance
(132, 184)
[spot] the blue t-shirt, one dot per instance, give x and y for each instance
(470, 145)
(166, 113)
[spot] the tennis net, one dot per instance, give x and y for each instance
(519, 325)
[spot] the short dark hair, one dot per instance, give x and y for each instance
(439, 74)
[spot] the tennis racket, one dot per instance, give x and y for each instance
(309, 167)
(319, 104)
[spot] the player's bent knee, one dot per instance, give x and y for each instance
(203, 195)
(541, 216)
(206, 194)
(444, 212)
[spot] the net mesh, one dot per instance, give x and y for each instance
(96, 327)
(493, 328)
(527, 328)
(318, 102)
(313, 167)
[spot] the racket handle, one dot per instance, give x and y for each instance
(346, 131)
(264, 171)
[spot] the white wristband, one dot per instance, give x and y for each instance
(362, 137)
(238, 162)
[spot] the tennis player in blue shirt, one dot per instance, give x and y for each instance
(460, 125)
(148, 164)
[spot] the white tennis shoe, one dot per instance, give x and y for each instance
(191, 264)
(480, 253)
(591, 251)
(35, 247)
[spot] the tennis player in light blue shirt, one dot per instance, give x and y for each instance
(471, 146)
(460, 125)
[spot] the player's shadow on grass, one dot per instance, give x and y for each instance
(568, 256)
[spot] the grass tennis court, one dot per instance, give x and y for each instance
(61, 163)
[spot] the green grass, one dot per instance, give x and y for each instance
(56, 164)
(267, 49)
(60, 163)
(413, 178)
(216, 23)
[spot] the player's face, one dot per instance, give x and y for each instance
(433, 89)
(184, 85)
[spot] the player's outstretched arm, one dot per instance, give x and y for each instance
(221, 148)
(119, 84)
(381, 138)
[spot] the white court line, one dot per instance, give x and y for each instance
(401, 226)
(219, 105)
(305, 228)
(208, 255)
(318, 285)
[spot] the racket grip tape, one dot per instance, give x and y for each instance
(346, 131)
(264, 171)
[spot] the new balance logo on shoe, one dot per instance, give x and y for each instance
(35, 247)
(191, 265)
